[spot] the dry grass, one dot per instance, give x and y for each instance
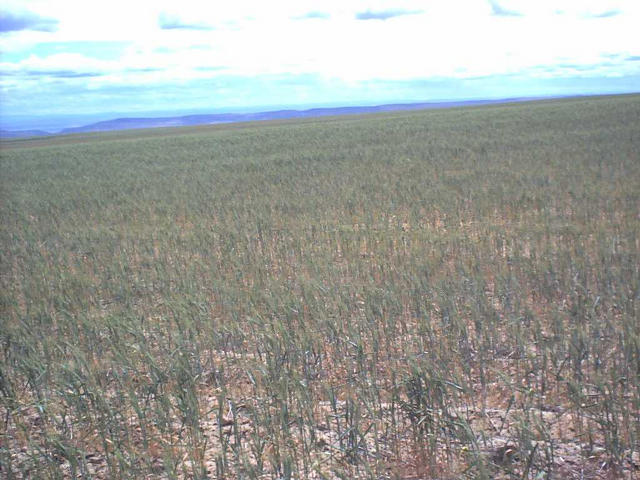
(442, 294)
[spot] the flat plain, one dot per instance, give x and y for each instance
(414, 295)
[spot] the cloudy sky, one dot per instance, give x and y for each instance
(96, 57)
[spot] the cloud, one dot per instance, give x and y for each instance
(500, 11)
(58, 66)
(17, 21)
(168, 21)
(208, 69)
(633, 58)
(608, 13)
(142, 70)
(136, 66)
(561, 67)
(47, 73)
(166, 47)
(314, 15)
(385, 14)
(61, 74)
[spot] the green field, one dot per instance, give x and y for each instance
(436, 294)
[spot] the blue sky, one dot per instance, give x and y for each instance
(79, 57)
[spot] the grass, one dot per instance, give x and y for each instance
(437, 294)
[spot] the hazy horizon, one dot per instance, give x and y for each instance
(55, 123)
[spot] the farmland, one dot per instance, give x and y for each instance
(435, 294)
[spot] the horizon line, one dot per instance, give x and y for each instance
(320, 109)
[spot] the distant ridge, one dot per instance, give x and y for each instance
(129, 123)
(22, 133)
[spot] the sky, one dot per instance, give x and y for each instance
(83, 57)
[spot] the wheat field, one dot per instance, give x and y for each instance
(439, 294)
